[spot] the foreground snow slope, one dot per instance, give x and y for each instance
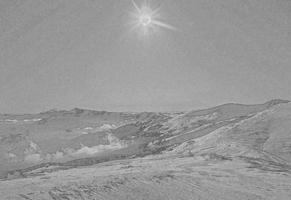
(158, 177)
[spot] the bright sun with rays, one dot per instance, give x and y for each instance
(146, 19)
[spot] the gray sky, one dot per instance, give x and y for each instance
(80, 53)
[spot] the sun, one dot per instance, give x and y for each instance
(147, 20)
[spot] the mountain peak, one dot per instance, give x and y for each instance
(274, 102)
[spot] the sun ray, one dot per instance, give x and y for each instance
(135, 6)
(133, 28)
(164, 25)
(155, 12)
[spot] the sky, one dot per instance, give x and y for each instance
(62, 54)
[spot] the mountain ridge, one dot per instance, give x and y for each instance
(78, 109)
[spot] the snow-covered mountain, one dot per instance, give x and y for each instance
(243, 151)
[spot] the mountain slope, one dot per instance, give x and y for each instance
(267, 135)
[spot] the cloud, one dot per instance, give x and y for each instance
(114, 143)
(33, 158)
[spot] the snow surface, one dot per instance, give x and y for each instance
(228, 152)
